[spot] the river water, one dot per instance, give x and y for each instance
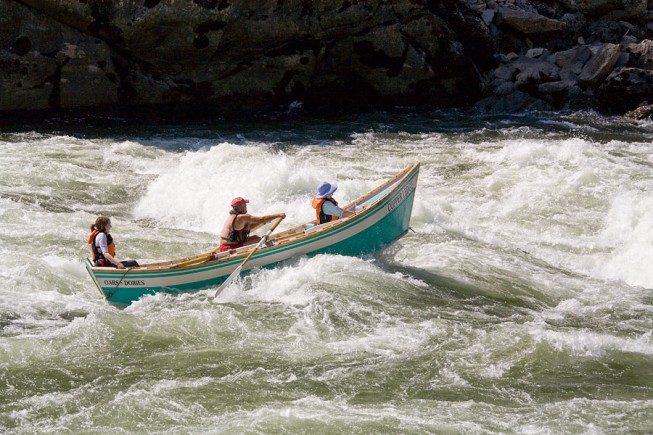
(521, 302)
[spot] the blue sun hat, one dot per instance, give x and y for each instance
(325, 189)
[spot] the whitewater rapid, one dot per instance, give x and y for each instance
(519, 302)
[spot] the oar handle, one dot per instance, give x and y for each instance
(275, 225)
(263, 240)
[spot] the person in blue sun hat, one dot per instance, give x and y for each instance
(326, 208)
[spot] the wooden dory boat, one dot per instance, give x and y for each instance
(382, 216)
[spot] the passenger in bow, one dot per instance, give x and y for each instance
(103, 248)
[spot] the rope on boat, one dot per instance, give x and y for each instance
(119, 282)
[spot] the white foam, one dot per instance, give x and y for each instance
(591, 344)
(195, 192)
(299, 282)
(628, 232)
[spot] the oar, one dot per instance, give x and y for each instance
(236, 272)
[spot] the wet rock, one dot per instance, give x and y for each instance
(643, 112)
(511, 103)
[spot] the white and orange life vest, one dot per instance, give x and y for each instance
(320, 216)
(96, 255)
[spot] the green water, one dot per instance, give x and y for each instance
(521, 303)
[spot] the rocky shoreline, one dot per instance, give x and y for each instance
(597, 56)
(226, 57)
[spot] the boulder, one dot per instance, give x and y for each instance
(625, 89)
(604, 31)
(642, 112)
(592, 7)
(573, 59)
(574, 22)
(514, 102)
(600, 65)
(640, 55)
(534, 71)
(505, 72)
(529, 22)
(627, 9)
(553, 87)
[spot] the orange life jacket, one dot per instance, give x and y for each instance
(320, 216)
(95, 252)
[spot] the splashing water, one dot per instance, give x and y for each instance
(520, 303)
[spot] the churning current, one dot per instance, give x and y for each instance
(521, 302)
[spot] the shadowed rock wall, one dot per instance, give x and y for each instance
(235, 56)
(569, 54)
(244, 56)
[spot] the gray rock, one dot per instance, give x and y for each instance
(626, 88)
(629, 8)
(604, 31)
(505, 88)
(529, 22)
(600, 65)
(629, 39)
(535, 52)
(533, 71)
(640, 55)
(573, 22)
(592, 7)
(570, 59)
(574, 92)
(505, 72)
(239, 56)
(553, 87)
(488, 16)
(511, 103)
(507, 58)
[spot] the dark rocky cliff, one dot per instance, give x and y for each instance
(243, 56)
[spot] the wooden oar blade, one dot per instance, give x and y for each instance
(228, 281)
(236, 272)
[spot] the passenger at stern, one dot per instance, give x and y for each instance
(326, 208)
(239, 224)
(103, 249)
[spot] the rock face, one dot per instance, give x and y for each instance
(243, 56)
(570, 55)
(236, 56)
